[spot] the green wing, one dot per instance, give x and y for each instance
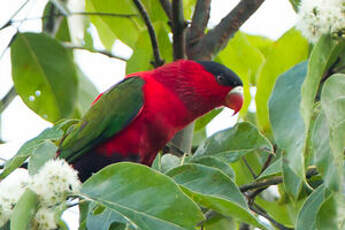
(116, 108)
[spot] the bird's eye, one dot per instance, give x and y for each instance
(221, 79)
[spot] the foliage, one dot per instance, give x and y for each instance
(295, 139)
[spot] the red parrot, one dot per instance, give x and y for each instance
(135, 118)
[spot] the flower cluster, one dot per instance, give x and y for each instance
(11, 190)
(318, 17)
(55, 181)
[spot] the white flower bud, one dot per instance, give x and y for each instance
(318, 17)
(11, 189)
(45, 219)
(55, 181)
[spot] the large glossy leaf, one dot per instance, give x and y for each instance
(146, 198)
(245, 60)
(213, 189)
(102, 218)
(322, 56)
(43, 153)
(44, 75)
(307, 216)
(286, 120)
(50, 134)
(333, 105)
(143, 55)
(112, 27)
(234, 142)
(87, 92)
(289, 50)
(323, 157)
(273, 170)
(214, 162)
(328, 213)
(24, 211)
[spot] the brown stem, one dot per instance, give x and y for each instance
(158, 61)
(199, 22)
(249, 168)
(260, 211)
(7, 99)
(104, 52)
(272, 181)
(217, 38)
(178, 29)
(166, 5)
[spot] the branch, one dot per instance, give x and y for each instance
(166, 5)
(272, 181)
(158, 60)
(199, 22)
(178, 28)
(260, 211)
(7, 99)
(104, 52)
(9, 22)
(217, 38)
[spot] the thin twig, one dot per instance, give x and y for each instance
(199, 22)
(267, 163)
(178, 29)
(9, 22)
(272, 181)
(158, 61)
(217, 38)
(249, 168)
(104, 52)
(101, 14)
(7, 99)
(260, 211)
(166, 5)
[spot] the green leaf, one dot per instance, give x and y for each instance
(219, 222)
(214, 162)
(286, 120)
(289, 50)
(87, 92)
(52, 134)
(143, 55)
(307, 215)
(273, 170)
(169, 161)
(295, 4)
(292, 183)
(103, 219)
(109, 27)
(213, 189)
(278, 210)
(24, 211)
(327, 216)
(324, 54)
(323, 158)
(205, 119)
(44, 75)
(333, 105)
(157, 203)
(245, 60)
(44, 152)
(242, 138)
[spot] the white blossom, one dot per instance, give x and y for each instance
(318, 17)
(11, 189)
(45, 219)
(55, 181)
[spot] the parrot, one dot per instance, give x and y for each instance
(134, 119)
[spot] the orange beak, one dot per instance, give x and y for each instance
(234, 99)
